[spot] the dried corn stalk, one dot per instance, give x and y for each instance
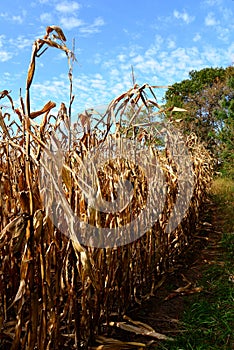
(54, 290)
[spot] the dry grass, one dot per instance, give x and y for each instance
(222, 192)
(55, 291)
(223, 187)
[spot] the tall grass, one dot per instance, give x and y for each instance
(208, 318)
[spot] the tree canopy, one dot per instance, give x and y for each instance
(208, 97)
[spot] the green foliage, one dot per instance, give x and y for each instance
(226, 135)
(197, 82)
(208, 319)
(208, 96)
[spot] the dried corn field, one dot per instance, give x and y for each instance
(71, 261)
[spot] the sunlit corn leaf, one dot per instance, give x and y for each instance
(6, 93)
(177, 109)
(31, 68)
(16, 226)
(187, 290)
(110, 343)
(38, 223)
(140, 328)
(60, 34)
(20, 292)
(3, 125)
(47, 108)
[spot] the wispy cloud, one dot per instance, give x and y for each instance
(197, 37)
(210, 20)
(213, 2)
(21, 42)
(122, 57)
(4, 15)
(165, 68)
(19, 19)
(5, 56)
(67, 6)
(46, 17)
(93, 27)
(165, 55)
(184, 16)
(171, 44)
(71, 22)
(2, 38)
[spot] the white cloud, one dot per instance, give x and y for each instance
(227, 16)
(210, 20)
(67, 7)
(213, 2)
(154, 48)
(115, 73)
(133, 50)
(97, 58)
(14, 18)
(223, 33)
(212, 56)
(197, 37)
(18, 19)
(184, 16)
(46, 17)
(4, 15)
(132, 35)
(171, 44)
(109, 63)
(121, 57)
(230, 54)
(92, 28)
(5, 56)
(84, 28)
(2, 38)
(98, 83)
(98, 22)
(21, 42)
(138, 59)
(54, 88)
(71, 22)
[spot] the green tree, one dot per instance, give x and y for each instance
(225, 114)
(208, 98)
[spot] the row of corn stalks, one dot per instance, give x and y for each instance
(56, 290)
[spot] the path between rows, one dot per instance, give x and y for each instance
(164, 311)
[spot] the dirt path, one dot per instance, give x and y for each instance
(164, 311)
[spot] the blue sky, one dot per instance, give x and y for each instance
(162, 40)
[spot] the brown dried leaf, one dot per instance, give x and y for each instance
(38, 224)
(3, 125)
(184, 291)
(110, 343)
(31, 70)
(58, 30)
(20, 293)
(85, 120)
(140, 328)
(16, 226)
(47, 107)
